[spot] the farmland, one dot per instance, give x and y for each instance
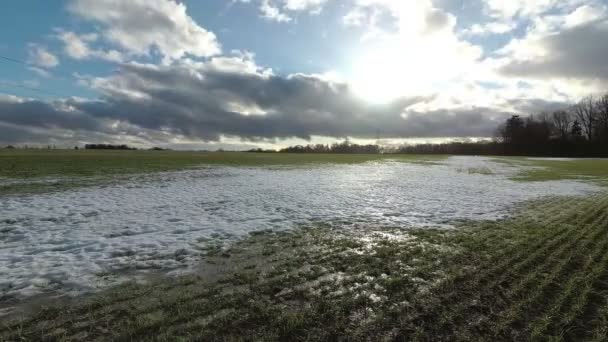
(303, 247)
(51, 170)
(39, 163)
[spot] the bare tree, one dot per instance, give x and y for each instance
(602, 116)
(562, 121)
(544, 117)
(586, 114)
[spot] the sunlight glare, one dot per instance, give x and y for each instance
(386, 73)
(408, 66)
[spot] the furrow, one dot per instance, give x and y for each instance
(564, 257)
(576, 290)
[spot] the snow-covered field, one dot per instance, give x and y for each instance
(74, 240)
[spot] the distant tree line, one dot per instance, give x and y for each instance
(88, 147)
(107, 147)
(261, 150)
(578, 131)
(344, 147)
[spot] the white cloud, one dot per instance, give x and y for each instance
(355, 17)
(77, 47)
(585, 14)
(238, 62)
(420, 56)
(41, 57)
(143, 26)
(512, 8)
(561, 57)
(495, 27)
(530, 8)
(281, 10)
(304, 5)
(41, 72)
(271, 12)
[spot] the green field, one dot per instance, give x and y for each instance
(64, 163)
(541, 275)
(68, 169)
(23, 164)
(581, 169)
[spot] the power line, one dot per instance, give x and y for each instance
(27, 64)
(17, 85)
(40, 90)
(15, 60)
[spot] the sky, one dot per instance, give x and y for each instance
(238, 74)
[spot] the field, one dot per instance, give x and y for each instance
(556, 169)
(320, 247)
(75, 168)
(41, 163)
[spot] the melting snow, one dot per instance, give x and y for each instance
(80, 239)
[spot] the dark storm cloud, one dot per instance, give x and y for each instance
(474, 122)
(536, 106)
(578, 52)
(45, 115)
(205, 103)
(10, 134)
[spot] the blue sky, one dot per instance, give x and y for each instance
(316, 43)
(242, 73)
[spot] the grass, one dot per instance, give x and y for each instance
(476, 170)
(541, 275)
(45, 163)
(38, 171)
(595, 170)
(75, 168)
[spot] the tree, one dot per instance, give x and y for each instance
(586, 114)
(536, 132)
(561, 121)
(513, 129)
(602, 116)
(577, 131)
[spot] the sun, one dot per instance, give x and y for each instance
(374, 81)
(390, 71)
(383, 75)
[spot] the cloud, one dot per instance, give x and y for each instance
(502, 17)
(586, 14)
(435, 76)
(411, 17)
(41, 57)
(522, 8)
(39, 71)
(488, 28)
(77, 47)
(281, 10)
(271, 12)
(418, 53)
(142, 26)
(48, 115)
(569, 46)
(207, 101)
(473, 122)
(304, 5)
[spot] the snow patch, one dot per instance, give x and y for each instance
(72, 240)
